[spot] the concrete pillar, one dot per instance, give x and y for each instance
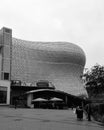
(66, 99)
(29, 99)
(8, 96)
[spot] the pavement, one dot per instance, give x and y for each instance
(43, 119)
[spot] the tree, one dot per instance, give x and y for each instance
(94, 80)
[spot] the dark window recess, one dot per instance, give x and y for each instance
(7, 30)
(3, 96)
(6, 76)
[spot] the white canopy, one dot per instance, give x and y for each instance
(39, 99)
(56, 99)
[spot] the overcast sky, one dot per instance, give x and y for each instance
(76, 21)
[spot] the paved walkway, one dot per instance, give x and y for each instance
(43, 119)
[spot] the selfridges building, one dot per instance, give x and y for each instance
(61, 63)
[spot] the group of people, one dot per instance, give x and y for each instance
(87, 110)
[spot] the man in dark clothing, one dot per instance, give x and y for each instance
(15, 103)
(89, 111)
(79, 112)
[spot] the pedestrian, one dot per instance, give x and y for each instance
(79, 113)
(88, 110)
(15, 103)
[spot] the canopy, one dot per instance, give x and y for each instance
(56, 99)
(39, 99)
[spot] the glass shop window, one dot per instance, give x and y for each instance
(3, 94)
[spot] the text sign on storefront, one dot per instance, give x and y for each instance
(3, 88)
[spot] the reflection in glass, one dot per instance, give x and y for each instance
(3, 94)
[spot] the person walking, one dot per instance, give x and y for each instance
(15, 103)
(79, 113)
(88, 111)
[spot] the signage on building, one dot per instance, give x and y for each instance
(2, 88)
(16, 83)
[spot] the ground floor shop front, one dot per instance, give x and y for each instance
(26, 96)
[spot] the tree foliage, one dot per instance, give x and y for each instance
(95, 76)
(94, 81)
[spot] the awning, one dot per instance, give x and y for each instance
(56, 99)
(39, 100)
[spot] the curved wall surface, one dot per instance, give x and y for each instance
(61, 63)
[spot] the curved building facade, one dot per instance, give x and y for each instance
(61, 63)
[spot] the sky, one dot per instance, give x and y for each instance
(77, 21)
